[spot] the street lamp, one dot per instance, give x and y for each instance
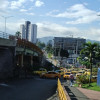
(5, 23)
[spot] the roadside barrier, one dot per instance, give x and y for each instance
(61, 92)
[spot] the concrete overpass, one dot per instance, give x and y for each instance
(16, 55)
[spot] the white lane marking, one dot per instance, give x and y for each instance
(3, 84)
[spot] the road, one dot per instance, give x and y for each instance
(28, 89)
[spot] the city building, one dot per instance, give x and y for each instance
(50, 42)
(33, 33)
(22, 31)
(72, 45)
(29, 31)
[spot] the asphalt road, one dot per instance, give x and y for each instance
(28, 89)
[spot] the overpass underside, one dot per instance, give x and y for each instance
(18, 59)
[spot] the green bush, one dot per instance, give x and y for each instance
(83, 79)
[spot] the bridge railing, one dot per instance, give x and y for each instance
(61, 92)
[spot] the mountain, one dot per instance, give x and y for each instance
(45, 39)
(92, 41)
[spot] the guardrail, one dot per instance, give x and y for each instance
(4, 35)
(61, 93)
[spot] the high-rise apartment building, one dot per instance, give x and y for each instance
(33, 33)
(22, 31)
(29, 31)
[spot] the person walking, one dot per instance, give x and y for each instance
(71, 79)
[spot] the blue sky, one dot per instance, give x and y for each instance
(53, 17)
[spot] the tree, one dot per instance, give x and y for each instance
(98, 52)
(40, 45)
(84, 61)
(89, 51)
(49, 49)
(18, 34)
(61, 52)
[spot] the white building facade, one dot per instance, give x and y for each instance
(33, 33)
(29, 31)
(72, 45)
(22, 31)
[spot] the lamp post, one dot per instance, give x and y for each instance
(5, 23)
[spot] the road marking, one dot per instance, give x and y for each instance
(3, 84)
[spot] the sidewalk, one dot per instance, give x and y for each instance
(92, 95)
(74, 93)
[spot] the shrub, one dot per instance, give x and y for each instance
(83, 79)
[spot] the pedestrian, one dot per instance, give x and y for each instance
(71, 79)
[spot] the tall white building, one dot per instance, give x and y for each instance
(29, 31)
(22, 31)
(33, 36)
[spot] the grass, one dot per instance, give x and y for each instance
(93, 86)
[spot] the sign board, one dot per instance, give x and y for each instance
(98, 77)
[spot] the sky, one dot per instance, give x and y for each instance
(57, 18)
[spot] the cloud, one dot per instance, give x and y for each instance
(4, 4)
(53, 29)
(39, 3)
(23, 10)
(56, 30)
(32, 14)
(51, 12)
(3, 7)
(17, 4)
(93, 33)
(15, 25)
(31, 0)
(78, 14)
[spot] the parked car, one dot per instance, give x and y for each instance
(66, 75)
(40, 71)
(50, 74)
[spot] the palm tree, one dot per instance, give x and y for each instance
(98, 52)
(18, 34)
(89, 51)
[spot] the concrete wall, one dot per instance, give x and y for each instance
(6, 62)
(7, 42)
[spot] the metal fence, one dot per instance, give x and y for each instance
(4, 35)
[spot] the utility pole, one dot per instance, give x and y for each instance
(5, 23)
(59, 54)
(76, 50)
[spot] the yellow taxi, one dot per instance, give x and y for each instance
(79, 73)
(87, 73)
(40, 71)
(61, 72)
(74, 72)
(50, 74)
(66, 75)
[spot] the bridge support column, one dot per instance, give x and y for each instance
(22, 60)
(31, 60)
